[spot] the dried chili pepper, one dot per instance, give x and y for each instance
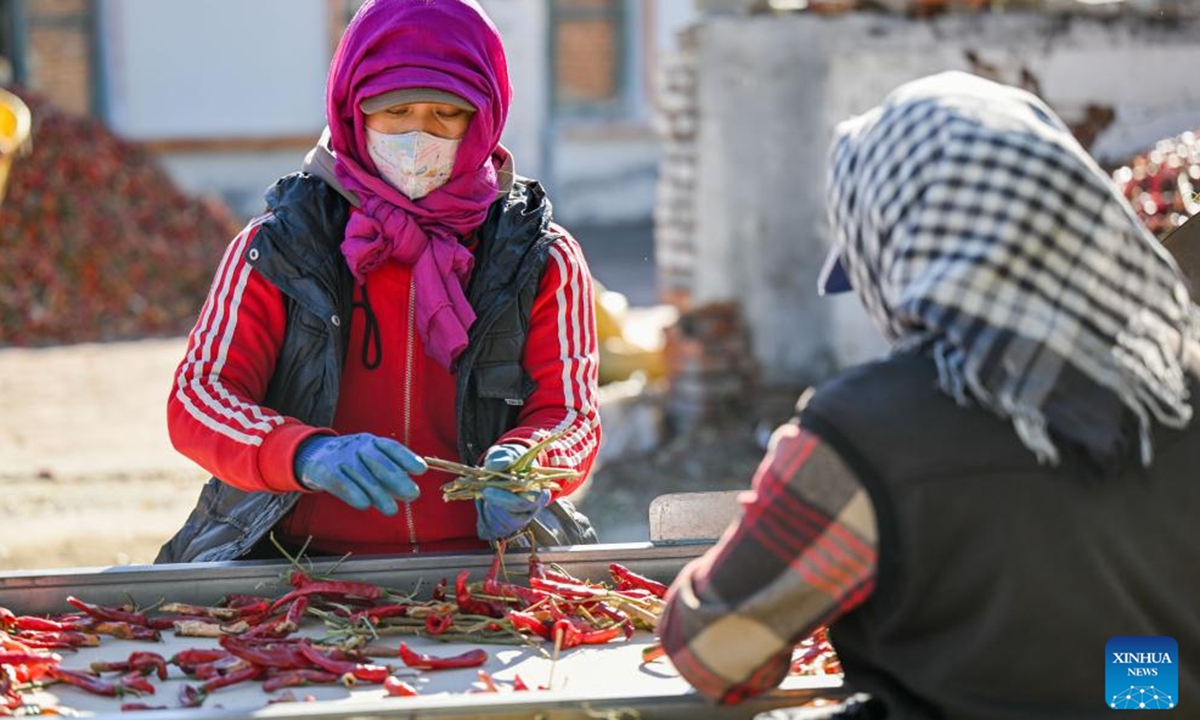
(58, 640)
(570, 590)
(396, 687)
(90, 683)
(107, 613)
(361, 671)
(224, 666)
(489, 682)
(215, 613)
(472, 605)
(438, 623)
(330, 587)
(240, 601)
(197, 656)
(530, 623)
(302, 676)
(124, 630)
(623, 576)
(137, 682)
(375, 614)
(421, 661)
(29, 622)
(250, 672)
(139, 661)
(287, 655)
(439, 590)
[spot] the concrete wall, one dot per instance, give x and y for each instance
(770, 91)
(523, 25)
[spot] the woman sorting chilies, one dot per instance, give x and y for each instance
(977, 515)
(406, 296)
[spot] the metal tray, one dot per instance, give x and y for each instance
(591, 682)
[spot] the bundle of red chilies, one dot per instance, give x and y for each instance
(257, 640)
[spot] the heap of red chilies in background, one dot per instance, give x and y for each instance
(257, 642)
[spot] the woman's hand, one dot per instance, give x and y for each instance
(503, 513)
(361, 470)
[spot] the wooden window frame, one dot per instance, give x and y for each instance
(617, 13)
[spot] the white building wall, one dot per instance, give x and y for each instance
(218, 68)
(524, 26)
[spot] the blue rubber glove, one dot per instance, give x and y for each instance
(503, 513)
(361, 470)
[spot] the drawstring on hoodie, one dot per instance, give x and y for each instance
(371, 335)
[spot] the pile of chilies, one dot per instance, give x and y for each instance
(257, 637)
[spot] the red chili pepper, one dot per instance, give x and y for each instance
(475, 606)
(574, 590)
(361, 671)
(125, 630)
(527, 596)
(197, 656)
(224, 666)
(191, 697)
(438, 623)
(624, 576)
(652, 653)
(292, 678)
(58, 640)
(530, 623)
(536, 568)
(242, 601)
(621, 619)
(137, 682)
(421, 661)
(489, 682)
(575, 632)
(375, 614)
(519, 684)
(90, 683)
(396, 687)
(28, 658)
(276, 654)
(291, 621)
(106, 613)
(29, 622)
(250, 672)
(330, 587)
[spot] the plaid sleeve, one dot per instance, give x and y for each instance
(801, 555)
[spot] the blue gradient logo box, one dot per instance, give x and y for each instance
(1141, 673)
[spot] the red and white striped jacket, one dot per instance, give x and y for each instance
(215, 416)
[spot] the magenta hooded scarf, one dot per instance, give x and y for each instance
(449, 45)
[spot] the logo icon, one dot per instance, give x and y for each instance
(1141, 673)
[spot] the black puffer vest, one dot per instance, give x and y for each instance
(1000, 580)
(298, 250)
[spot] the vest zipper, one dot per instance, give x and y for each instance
(407, 413)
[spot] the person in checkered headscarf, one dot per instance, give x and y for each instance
(1017, 473)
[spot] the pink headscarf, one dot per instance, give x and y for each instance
(449, 45)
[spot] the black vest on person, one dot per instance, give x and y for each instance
(1000, 580)
(298, 250)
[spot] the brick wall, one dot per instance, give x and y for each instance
(59, 51)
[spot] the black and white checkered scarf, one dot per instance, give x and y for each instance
(973, 226)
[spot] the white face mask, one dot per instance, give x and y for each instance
(415, 163)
